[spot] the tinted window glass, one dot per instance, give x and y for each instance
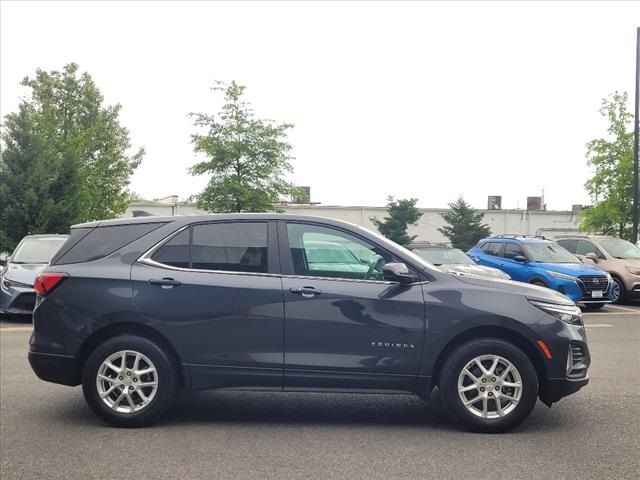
(103, 241)
(325, 252)
(76, 235)
(570, 245)
(234, 247)
(512, 250)
(175, 252)
(585, 247)
(492, 248)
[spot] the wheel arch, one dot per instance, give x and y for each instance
(131, 328)
(491, 331)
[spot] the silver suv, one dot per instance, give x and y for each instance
(618, 257)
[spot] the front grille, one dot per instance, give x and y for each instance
(594, 282)
(578, 361)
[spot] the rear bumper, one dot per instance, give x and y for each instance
(557, 388)
(55, 368)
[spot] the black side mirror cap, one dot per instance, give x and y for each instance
(398, 272)
(520, 259)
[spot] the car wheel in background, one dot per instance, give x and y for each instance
(129, 381)
(488, 385)
(539, 283)
(617, 291)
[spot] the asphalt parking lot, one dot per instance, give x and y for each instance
(47, 431)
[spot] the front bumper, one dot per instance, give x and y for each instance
(557, 388)
(53, 368)
(16, 300)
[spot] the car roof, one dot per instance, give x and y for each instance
(188, 219)
(46, 235)
(519, 239)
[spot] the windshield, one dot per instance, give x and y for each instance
(621, 248)
(549, 253)
(37, 249)
(446, 256)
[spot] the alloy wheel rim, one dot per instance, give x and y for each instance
(490, 386)
(127, 381)
(615, 291)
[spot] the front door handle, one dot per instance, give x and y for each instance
(165, 282)
(307, 292)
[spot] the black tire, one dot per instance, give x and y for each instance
(167, 381)
(623, 293)
(594, 306)
(460, 358)
(539, 283)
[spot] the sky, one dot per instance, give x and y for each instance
(426, 100)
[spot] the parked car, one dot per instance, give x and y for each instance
(134, 309)
(454, 260)
(614, 255)
(542, 262)
(17, 296)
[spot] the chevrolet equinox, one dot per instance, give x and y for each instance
(134, 309)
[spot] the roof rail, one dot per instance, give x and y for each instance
(518, 235)
(575, 235)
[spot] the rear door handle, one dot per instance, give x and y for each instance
(306, 292)
(165, 282)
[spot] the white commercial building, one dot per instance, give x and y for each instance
(524, 222)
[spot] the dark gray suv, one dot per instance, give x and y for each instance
(135, 309)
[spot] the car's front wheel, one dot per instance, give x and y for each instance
(488, 385)
(129, 381)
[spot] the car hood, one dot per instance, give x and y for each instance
(533, 292)
(474, 270)
(23, 272)
(573, 269)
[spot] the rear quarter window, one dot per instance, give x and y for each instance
(100, 242)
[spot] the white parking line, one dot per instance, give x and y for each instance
(624, 308)
(15, 329)
(597, 325)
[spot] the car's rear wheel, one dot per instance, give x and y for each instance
(129, 381)
(488, 385)
(539, 283)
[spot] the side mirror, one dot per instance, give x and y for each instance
(398, 272)
(592, 256)
(520, 259)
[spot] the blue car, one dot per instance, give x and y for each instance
(542, 262)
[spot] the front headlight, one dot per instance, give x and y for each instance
(562, 276)
(633, 270)
(567, 313)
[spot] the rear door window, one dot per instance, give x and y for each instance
(232, 247)
(175, 252)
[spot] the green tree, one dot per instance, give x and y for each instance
(66, 150)
(246, 157)
(611, 187)
(34, 198)
(465, 227)
(402, 213)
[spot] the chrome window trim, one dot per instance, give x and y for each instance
(146, 259)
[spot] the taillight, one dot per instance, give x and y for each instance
(46, 282)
